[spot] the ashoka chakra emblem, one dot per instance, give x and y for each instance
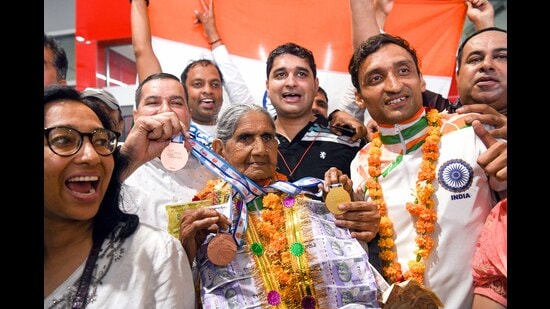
(455, 175)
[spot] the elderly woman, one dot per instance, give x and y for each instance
(95, 255)
(274, 249)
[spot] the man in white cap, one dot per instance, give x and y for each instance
(108, 103)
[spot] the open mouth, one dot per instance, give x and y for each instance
(83, 184)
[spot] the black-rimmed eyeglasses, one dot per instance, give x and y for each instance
(66, 141)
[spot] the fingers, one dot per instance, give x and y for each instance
(372, 127)
(360, 211)
(494, 160)
(334, 176)
(500, 132)
(204, 6)
(200, 16)
(343, 119)
(150, 135)
(477, 108)
(197, 19)
(487, 119)
(360, 132)
(485, 113)
(499, 122)
(362, 218)
(161, 126)
(483, 134)
(203, 219)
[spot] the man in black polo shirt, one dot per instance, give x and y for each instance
(307, 147)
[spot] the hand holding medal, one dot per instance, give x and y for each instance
(336, 196)
(174, 156)
(222, 249)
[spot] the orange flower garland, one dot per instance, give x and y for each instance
(269, 239)
(422, 209)
(269, 242)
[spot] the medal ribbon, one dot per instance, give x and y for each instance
(200, 135)
(245, 187)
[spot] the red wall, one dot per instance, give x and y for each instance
(102, 23)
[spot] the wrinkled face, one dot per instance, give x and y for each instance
(50, 75)
(252, 149)
(291, 86)
(205, 93)
(391, 86)
(74, 186)
(320, 105)
(163, 95)
(483, 75)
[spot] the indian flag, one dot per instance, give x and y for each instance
(250, 29)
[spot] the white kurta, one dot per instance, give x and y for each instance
(147, 270)
(151, 187)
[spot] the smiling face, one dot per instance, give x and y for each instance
(483, 74)
(204, 87)
(252, 149)
(291, 86)
(163, 95)
(391, 86)
(74, 186)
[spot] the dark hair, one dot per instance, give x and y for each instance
(321, 90)
(151, 77)
(372, 45)
(461, 47)
(60, 61)
(293, 49)
(109, 214)
(194, 63)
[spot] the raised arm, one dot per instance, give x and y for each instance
(481, 13)
(147, 62)
(368, 18)
(234, 83)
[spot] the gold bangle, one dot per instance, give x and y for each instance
(214, 42)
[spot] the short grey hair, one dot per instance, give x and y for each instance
(228, 120)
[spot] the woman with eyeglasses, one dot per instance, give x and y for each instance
(95, 255)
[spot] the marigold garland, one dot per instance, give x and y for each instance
(273, 241)
(422, 208)
(272, 232)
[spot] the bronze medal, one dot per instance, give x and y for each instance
(174, 156)
(335, 197)
(221, 249)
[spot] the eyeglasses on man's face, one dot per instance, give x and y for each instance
(66, 141)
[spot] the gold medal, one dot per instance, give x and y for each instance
(221, 249)
(336, 196)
